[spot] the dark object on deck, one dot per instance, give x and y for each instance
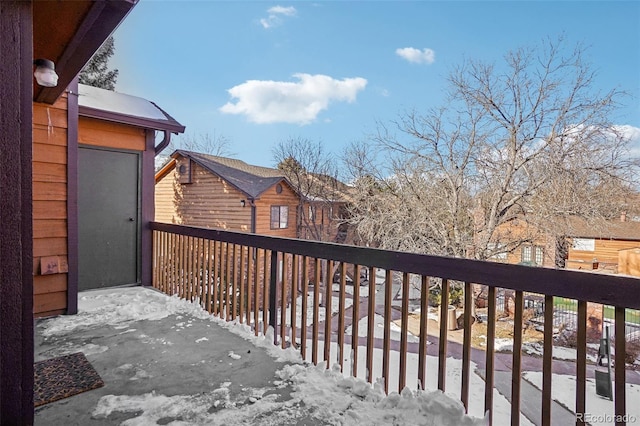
(62, 377)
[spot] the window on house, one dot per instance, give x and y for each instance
(533, 254)
(498, 250)
(584, 244)
(312, 211)
(279, 217)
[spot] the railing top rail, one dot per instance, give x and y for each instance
(616, 290)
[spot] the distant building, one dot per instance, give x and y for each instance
(218, 192)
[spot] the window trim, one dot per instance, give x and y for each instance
(535, 253)
(282, 212)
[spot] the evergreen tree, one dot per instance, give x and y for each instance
(96, 72)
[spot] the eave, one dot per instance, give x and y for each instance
(69, 33)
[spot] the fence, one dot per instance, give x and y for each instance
(259, 280)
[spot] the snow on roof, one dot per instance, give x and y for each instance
(106, 104)
(107, 100)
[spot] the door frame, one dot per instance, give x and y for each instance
(139, 208)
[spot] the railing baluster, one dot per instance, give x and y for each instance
(249, 286)
(191, 260)
(516, 371)
(424, 320)
(620, 366)
(197, 270)
(178, 273)
(283, 302)
(328, 282)
(200, 271)
(256, 292)
(403, 332)
(316, 303)
(355, 319)
(158, 248)
(341, 309)
(371, 311)
(386, 341)
(466, 344)
(303, 314)
(295, 281)
(162, 273)
(273, 295)
(175, 265)
(183, 268)
(197, 290)
(265, 294)
(547, 360)
(210, 280)
(184, 282)
(241, 284)
(489, 360)
(222, 287)
(154, 260)
(444, 329)
(170, 272)
(581, 361)
(234, 281)
(216, 278)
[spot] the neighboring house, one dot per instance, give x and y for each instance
(612, 246)
(609, 247)
(532, 247)
(322, 208)
(217, 192)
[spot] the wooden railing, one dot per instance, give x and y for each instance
(259, 280)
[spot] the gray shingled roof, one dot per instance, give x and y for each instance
(252, 180)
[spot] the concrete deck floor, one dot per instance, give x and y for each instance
(159, 356)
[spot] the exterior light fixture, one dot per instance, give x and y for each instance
(242, 203)
(45, 73)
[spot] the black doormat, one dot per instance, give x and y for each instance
(62, 377)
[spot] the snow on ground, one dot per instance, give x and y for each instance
(599, 410)
(327, 393)
(453, 383)
(322, 311)
(378, 329)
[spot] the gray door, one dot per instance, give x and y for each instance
(108, 233)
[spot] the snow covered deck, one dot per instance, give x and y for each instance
(248, 278)
(166, 361)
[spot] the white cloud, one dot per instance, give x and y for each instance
(275, 16)
(417, 56)
(287, 11)
(300, 102)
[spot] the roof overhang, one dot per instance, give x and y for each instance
(170, 124)
(69, 33)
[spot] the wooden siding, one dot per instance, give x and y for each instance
(263, 211)
(209, 201)
(606, 252)
(110, 135)
(629, 262)
(49, 203)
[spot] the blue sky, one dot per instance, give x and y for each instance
(261, 72)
